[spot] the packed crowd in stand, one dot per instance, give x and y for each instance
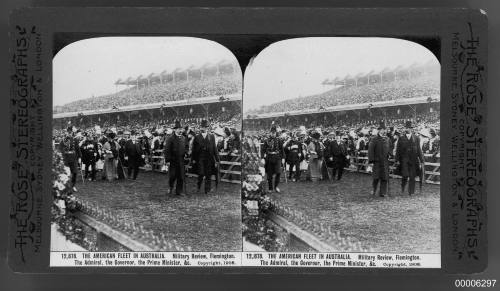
(221, 85)
(425, 85)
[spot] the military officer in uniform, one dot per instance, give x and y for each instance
(205, 156)
(293, 154)
(176, 147)
(90, 155)
(71, 153)
(378, 155)
(134, 155)
(409, 158)
(272, 150)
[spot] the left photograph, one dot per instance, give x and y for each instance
(146, 146)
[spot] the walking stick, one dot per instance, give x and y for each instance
(121, 166)
(184, 180)
(422, 170)
(389, 183)
(81, 172)
(328, 171)
(284, 170)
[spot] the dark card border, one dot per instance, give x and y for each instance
(267, 23)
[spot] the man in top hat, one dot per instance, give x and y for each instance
(134, 155)
(176, 148)
(378, 156)
(71, 153)
(335, 154)
(205, 156)
(409, 158)
(272, 150)
(121, 155)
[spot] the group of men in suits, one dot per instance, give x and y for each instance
(180, 149)
(409, 159)
(204, 159)
(85, 150)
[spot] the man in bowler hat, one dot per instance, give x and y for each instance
(409, 158)
(205, 156)
(176, 148)
(378, 155)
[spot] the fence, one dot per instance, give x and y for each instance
(230, 166)
(359, 163)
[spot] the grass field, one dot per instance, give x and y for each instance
(400, 223)
(204, 222)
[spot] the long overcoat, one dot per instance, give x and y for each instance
(205, 154)
(134, 153)
(378, 154)
(409, 155)
(176, 148)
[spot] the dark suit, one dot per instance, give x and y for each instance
(293, 152)
(205, 155)
(409, 155)
(70, 152)
(272, 148)
(133, 151)
(176, 148)
(90, 155)
(121, 159)
(378, 154)
(335, 155)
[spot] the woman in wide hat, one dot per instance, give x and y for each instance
(315, 150)
(110, 155)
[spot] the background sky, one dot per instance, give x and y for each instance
(91, 67)
(293, 68)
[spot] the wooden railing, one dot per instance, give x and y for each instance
(230, 166)
(359, 163)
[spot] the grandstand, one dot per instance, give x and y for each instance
(393, 112)
(412, 82)
(209, 80)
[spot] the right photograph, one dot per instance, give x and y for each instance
(341, 147)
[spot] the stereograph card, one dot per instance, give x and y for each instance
(248, 140)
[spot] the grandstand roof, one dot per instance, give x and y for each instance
(133, 80)
(186, 102)
(360, 75)
(398, 68)
(380, 104)
(413, 66)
